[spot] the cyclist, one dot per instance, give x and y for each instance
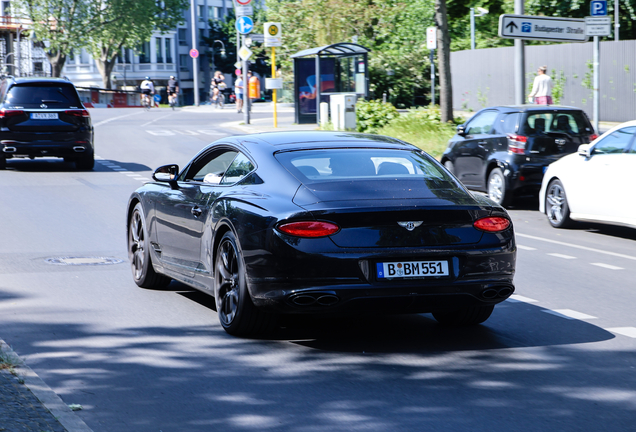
(173, 90)
(216, 85)
(147, 90)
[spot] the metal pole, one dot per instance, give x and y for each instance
(432, 77)
(520, 81)
(616, 23)
(472, 28)
(195, 62)
(246, 87)
(318, 85)
(597, 101)
(17, 55)
(274, 91)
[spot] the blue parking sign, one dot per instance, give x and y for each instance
(598, 8)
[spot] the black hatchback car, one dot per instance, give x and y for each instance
(505, 150)
(44, 117)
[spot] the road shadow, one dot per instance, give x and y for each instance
(101, 165)
(59, 165)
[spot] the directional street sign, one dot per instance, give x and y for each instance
(598, 7)
(598, 26)
(244, 24)
(542, 28)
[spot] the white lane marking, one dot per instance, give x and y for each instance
(561, 256)
(569, 314)
(625, 331)
(522, 247)
(116, 118)
(210, 132)
(160, 132)
(520, 298)
(185, 132)
(145, 179)
(607, 266)
(120, 169)
(577, 246)
(152, 121)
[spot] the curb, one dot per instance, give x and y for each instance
(51, 401)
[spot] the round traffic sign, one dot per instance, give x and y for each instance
(244, 25)
(194, 53)
(243, 2)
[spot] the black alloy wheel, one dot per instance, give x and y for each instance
(497, 187)
(449, 166)
(143, 272)
(556, 205)
(3, 162)
(237, 314)
(467, 316)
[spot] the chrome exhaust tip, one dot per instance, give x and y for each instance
(504, 292)
(489, 293)
(79, 149)
(9, 150)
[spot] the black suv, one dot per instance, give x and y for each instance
(44, 117)
(505, 150)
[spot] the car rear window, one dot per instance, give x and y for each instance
(352, 165)
(33, 95)
(573, 123)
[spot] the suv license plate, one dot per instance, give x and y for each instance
(44, 116)
(412, 269)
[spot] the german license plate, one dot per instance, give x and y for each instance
(412, 269)
(44, 116)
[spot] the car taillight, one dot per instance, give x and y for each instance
(77, 113)
(5, 113)
(593, 137)
(492, 224)
(517, 143)
(309, 228)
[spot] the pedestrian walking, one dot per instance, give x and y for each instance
(238, 89)
(541, 88)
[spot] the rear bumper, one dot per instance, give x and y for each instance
(75, 148)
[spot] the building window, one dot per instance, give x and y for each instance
(144, 53)
(159, 47)
(218, 13)
(183, 36)
(201, 35)
(6, 8)
(38, 67)
(183, 62)
(201, 13)
(168, 50)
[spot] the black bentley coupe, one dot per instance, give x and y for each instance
(321, 223)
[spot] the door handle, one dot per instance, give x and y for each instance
(196, 211)
(482, 144)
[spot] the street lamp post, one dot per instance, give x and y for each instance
(17, 55)
(482, 12)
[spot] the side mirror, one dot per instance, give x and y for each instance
(461, 129)
(585, 150)
(167, 174)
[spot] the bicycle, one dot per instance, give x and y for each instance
(220, 100)
(146, 101)
(172, 101)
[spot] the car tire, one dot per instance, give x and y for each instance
(497, 187)
(556, 205)
(237, 314)
(467, 316)
(144, 273)
(450, 166)
(3, 162)
(85, 162)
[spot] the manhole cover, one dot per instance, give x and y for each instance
(78, 261)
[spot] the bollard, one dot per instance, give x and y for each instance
(324, 114)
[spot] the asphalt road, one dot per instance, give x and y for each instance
(560, 356)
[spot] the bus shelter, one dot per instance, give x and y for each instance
(324, 71)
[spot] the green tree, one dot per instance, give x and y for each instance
(127, 23)
(64, 24)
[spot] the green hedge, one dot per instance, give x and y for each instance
(372, 115)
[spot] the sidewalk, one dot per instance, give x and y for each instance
(27, 404)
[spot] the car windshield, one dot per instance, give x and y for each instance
(572, 123)
(365, 164)
(50, 94)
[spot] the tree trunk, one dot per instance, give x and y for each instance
(443, 45)
(105, 67)
(57, 60)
